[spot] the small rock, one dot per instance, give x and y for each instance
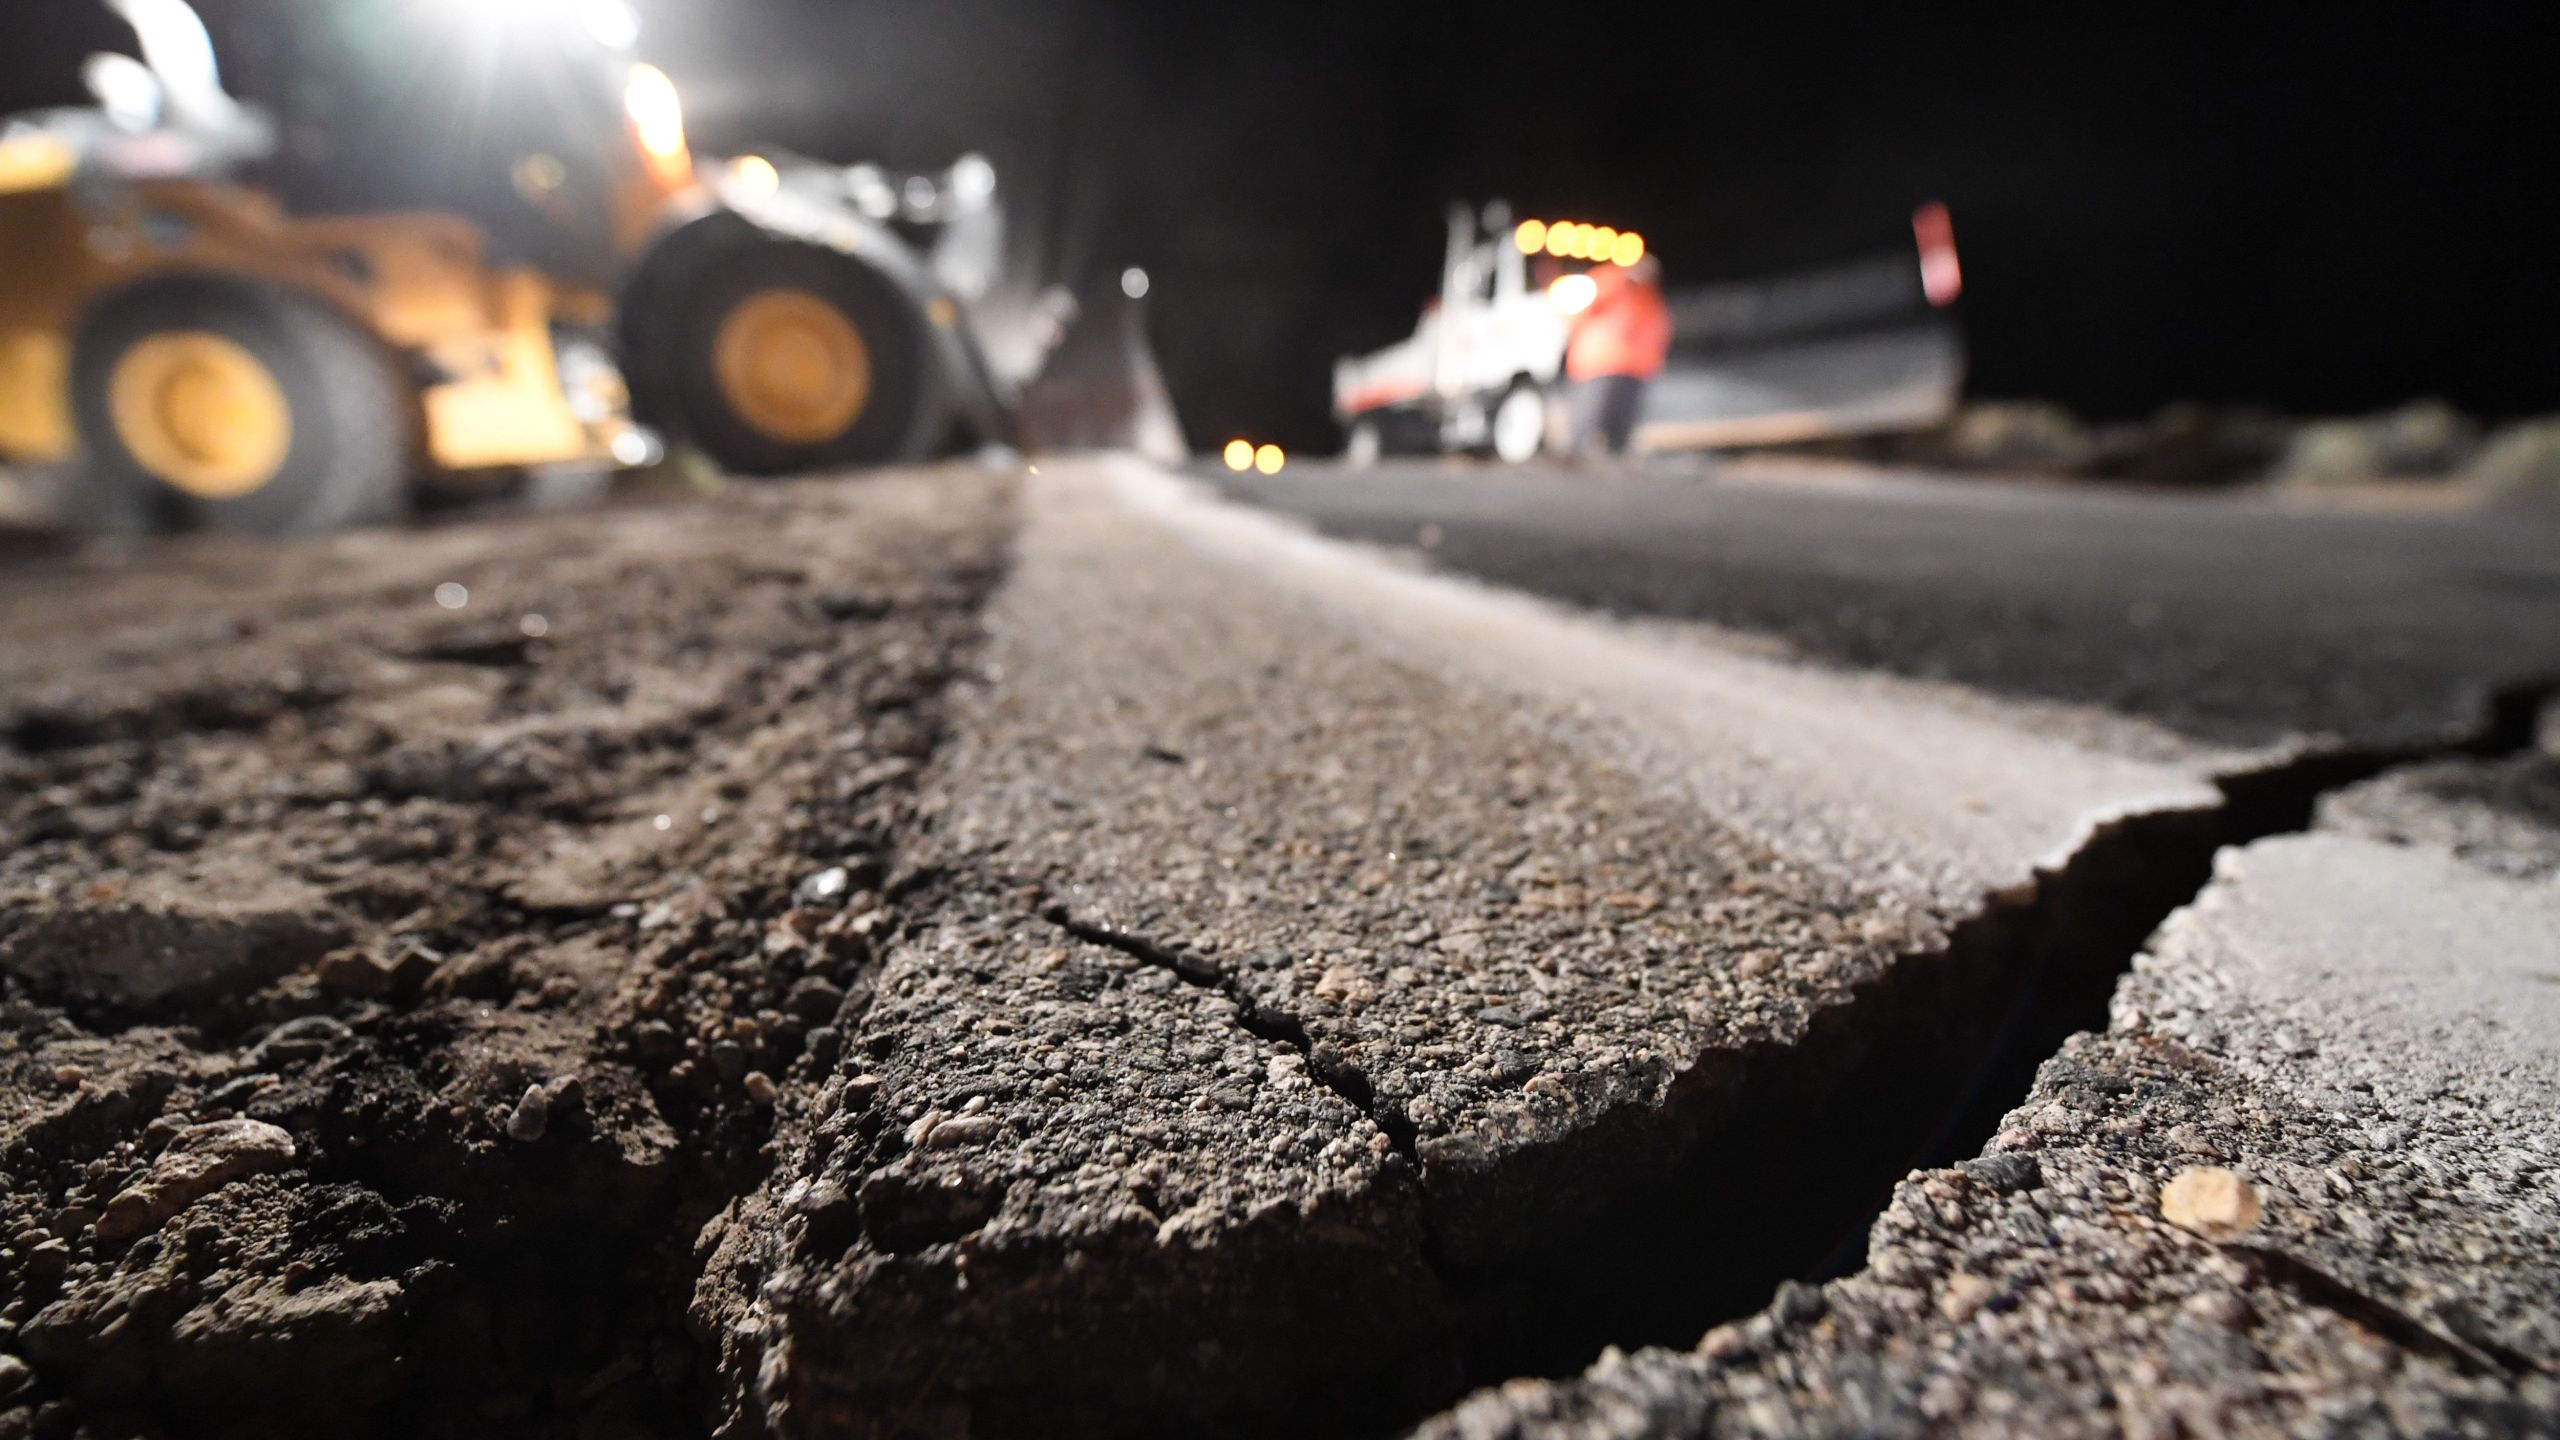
(759, 1087)
(828, 886)
(1965, 1295)
(201, 1160)
(2211, 1202)
(960, 1130)
(824, 1044)
(2005, 1173)
(814, 999)
(15, 1378)
(1346, 986)
(304, 1038)
(730, 1059)
(1724, 1342)
(1797, 1303)
(355, 972)
(531, 1119)
(48, 1261)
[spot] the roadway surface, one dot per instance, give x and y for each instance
(2236, 621)
(1059, 953)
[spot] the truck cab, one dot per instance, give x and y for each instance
(1481, 371)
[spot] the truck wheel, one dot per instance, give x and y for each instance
(219, 405)
(773, 356)
(1520, 424)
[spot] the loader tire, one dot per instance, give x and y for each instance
(773, 356)
(209, 404)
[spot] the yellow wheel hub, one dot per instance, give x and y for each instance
(793, 366)
(202, 413)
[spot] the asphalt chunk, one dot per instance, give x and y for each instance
(1052, 1189)
(2352, 1032)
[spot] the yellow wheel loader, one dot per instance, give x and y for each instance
(444, 238)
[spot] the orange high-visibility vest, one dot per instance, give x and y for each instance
(1627, 330)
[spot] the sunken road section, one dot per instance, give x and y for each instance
(2358, 1024)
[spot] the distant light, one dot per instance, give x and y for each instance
(1604, 244)
(973, 178)
(756, 175)
(1629, 249)
(610, 22)
(452, 596)
(1560, 238)
(657, 113)
(1134, 283)
(1573, 294)
(1269, 459)
(1579, 247)
(1941, 273)
(1239, 455)
(664, 822)
(1531, 237)
(635, 449)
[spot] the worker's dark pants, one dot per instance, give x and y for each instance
(1605, 411)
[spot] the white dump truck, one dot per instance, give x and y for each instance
(1480, 373)
(1864, 346)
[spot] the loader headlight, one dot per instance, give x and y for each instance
(610, 23)
(657, 115)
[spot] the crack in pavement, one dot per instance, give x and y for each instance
(1330, 1067)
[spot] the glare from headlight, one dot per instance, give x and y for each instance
(657, 113)
(1573, 294)
(611, 23)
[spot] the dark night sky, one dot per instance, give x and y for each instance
(2317, 208)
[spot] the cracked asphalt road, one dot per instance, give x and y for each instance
(2229, 619)
(1191, 975)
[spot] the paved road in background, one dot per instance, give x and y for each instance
(2233, 620)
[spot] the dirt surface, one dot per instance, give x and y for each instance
(396, 978)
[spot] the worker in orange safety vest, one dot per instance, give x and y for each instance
(1618, 345)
